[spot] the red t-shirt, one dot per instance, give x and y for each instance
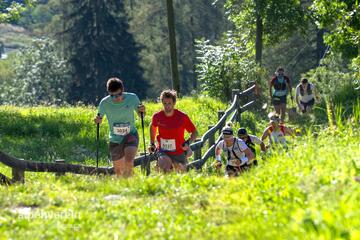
(171, 130)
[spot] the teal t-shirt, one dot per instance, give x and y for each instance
(120, 115)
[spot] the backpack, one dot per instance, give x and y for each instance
(308, 89)
(280, 86)
(250, 144)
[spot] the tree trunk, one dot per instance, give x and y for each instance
(258, 41)
(172, 42)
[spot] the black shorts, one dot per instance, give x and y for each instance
(117, 150)
(307, 104)
(178, 158)
(279, 100)
(235, 171)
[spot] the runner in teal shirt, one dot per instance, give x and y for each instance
(120, 115)
(119, 109)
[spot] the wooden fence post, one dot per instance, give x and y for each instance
(238, 103)
(4, 180)
(211, 137)
(197, 153)
(233, 93)
(18, 175)
(220, 114)
(60, 161)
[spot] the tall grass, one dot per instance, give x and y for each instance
(49, 133)
(330, 113)
(308, 192)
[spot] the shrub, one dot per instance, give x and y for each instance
(41, 76)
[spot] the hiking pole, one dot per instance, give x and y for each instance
(97, 142)
(145, 162)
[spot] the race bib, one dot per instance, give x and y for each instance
(121, 129)
(168, 145)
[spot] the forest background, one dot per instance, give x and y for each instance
(63, 51)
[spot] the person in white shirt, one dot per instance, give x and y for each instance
(239, 156)
(305, 95)
(276, 132)
(250, 141)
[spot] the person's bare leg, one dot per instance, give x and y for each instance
(179, 167)
(130, 153)
(118, 167)
(283, 111)
(309, 108)
(165, 164)
(277, 109)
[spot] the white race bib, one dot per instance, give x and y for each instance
(121, 129)
(168, 145)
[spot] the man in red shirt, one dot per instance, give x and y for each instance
(171, 125)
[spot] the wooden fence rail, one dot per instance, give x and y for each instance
(19, 167)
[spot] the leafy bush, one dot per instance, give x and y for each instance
(224, 67)
(335, 80)
(6, 73)
(41, 76)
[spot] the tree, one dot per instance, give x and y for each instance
(98, 46)
(266, 21)
(224, 67)
(341, 19)
(41, 76)
(193, 19)
(10, 10)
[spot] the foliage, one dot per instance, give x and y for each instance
(266, 20)
(193, 19)
(98, 46)
(308, 191)
(41, 76)
(334, 80)
(224, 67)
(342, 20)
(39, 17)
(6, 72)
(10, 10)
(297, 55)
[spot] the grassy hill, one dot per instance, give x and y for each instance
(309, 192)
(14, 36)
(49, 133)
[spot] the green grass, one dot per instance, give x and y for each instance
(308, 192)
(49, 133)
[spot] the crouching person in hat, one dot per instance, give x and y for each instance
(250, 141)
(239, 156)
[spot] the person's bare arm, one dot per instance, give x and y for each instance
(249, 154)
(152, 134)
(193, 136)
(262, 146)
(265, 134)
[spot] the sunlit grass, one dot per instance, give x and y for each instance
(309, 192)
(49, 133)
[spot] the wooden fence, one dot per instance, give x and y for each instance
(241, 102)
